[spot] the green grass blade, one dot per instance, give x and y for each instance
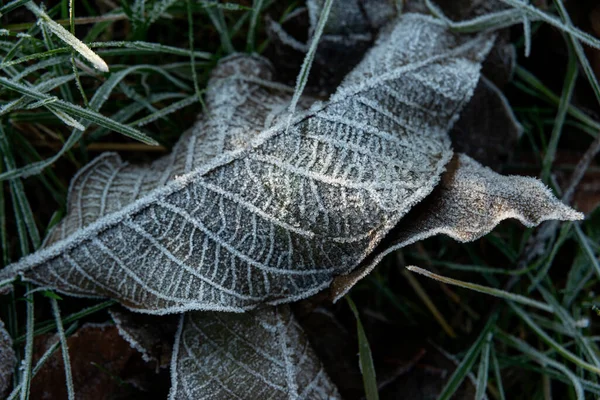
(302, 78)
(497, 375)
(544, 360)
(68, 38)
(565, 100)
(483, 289)
(551, 342)
(484, 369)
(65, 348)
(464, 368)
(218, 19)
(364, 355)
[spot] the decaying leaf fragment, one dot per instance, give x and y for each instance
(8, 360)
(261, 354)
(469, 202)
(253, 207)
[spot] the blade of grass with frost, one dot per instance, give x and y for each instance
(535, 14)
(585, 64)
(251, 36)
(49, 326)
(544, 360)
(483, 289)
(463, 369)
(583, 242)
(65, 349)
(28, 357)
(495, 20)
(497, 375)
(218, 19)
(527, 35)
(130, 48)
(192, 55)
(565, 100)
(565, 232)
(302, 78)
(96, 102)
(551, 342)
(167, 110)
(68, 38)
(364, 357)
(484, 368)
(157, 10)
(23, 213)
(11, 5)
(42, 361)
(586, 347)
(439, 317)
(550, 97)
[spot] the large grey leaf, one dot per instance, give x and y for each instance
(8, 360)
(254, 206)
(469, 202)
(261, 354)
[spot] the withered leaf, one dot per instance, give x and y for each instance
(8, 360)
(260, 354)
(104, 366)
(470, 201)
(255, 206)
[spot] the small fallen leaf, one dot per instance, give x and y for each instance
(470, 201)
(251, 208)
(255, 355)
(8, 360)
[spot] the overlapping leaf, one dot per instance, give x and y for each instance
(255, 206)
(469, 202)
(8, 360)
(261, 354)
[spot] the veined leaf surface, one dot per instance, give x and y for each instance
(261, 354)
(255, 206)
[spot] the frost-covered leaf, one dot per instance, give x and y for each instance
(487, 129)
(260, 354)
(470, 201)
(151, 335)
(251, 207)
(8, 360)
